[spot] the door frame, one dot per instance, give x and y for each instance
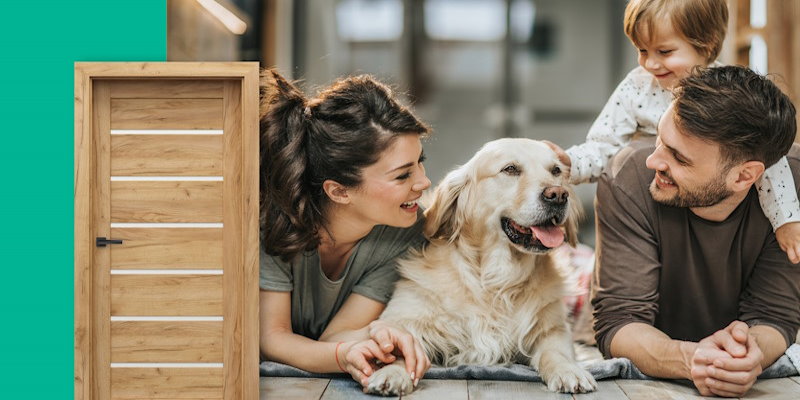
(246, 382)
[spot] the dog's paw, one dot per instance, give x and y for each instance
(391, 380)
(570, 379)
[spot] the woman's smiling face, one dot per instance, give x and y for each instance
(390, 188)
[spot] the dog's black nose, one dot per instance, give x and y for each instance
(556, 195)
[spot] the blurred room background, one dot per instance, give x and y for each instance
(475, 70)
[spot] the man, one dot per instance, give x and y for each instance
(691, 282)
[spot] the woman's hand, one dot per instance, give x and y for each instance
(357, 358)
(395, 340)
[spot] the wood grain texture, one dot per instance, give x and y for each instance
(232, 238)
(166, 201)
(274, 388)
(784, 388)
(641, 389)
(166, 295)
(250, 232)
(101, 213)
(166, 113)
(181, 70)
(113, 95)
(166, 383)
(491, 390)
(167, 248)
(166, 88)
(83, 175)
(166, 155)
(606, 389)
(166, 341)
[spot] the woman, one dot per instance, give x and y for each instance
(340, 177)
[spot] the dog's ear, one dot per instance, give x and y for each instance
(442, 219)
(575, 216)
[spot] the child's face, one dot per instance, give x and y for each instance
(668, 56)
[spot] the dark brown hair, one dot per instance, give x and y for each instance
(305, 142)
(702, 23)
(742, 111)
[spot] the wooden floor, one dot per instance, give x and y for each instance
(433, 389)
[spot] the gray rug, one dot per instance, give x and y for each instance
(615, 368)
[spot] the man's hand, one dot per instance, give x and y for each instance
(727, 363)
(788, 236)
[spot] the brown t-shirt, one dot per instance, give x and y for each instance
(687, 276)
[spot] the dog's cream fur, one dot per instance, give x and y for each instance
(474, 297)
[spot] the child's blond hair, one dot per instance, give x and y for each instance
(702, 23)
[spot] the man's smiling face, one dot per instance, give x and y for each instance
(689, 171)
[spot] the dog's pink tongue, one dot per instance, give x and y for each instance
(550, 236)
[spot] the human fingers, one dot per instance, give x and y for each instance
(707, 353)
(736, 377)
(423, 363)
(375, 352)
(751, 362)
(727, 389)
(725, 340)
(381, 333)
(794, 253)
(739, 330)
(383, 338)
(359, 356)
(357, 375)
(405, 343)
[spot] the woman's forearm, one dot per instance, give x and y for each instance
(301, 352)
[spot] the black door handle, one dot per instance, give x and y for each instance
(102, 241)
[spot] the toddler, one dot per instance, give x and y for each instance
(674, 36)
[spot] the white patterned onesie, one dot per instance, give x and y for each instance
(636, 106)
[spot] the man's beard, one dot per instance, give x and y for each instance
(712, 193)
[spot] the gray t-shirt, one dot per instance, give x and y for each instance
(370, 272)
(689, 277)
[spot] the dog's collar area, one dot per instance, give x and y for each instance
(520, 238)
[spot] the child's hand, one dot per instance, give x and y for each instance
(788, 236)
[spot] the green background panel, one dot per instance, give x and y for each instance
(40, 42)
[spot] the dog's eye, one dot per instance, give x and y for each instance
(511, 169)
(556, 171)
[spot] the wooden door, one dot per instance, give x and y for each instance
(166, 161)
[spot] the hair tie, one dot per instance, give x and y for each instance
(307, 111)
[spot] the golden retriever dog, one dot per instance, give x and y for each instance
(485, 291)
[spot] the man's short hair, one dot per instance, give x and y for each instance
(702, 23)
(745, 113)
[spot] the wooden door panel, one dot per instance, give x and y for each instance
(167, 383)
(166, 113)
(167, 248)
(167, 88)
(170, 201)
(161, 295)
(166, 155)
(166, 341)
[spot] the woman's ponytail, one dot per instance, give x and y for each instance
(289, 217)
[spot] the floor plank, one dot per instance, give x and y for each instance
(646, 390)
(490, 390)
(292, 388)
(783, 388)
(440, 389)
(347, 389)
(435, 389)
(606, 390)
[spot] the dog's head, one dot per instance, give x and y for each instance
(513, 189)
